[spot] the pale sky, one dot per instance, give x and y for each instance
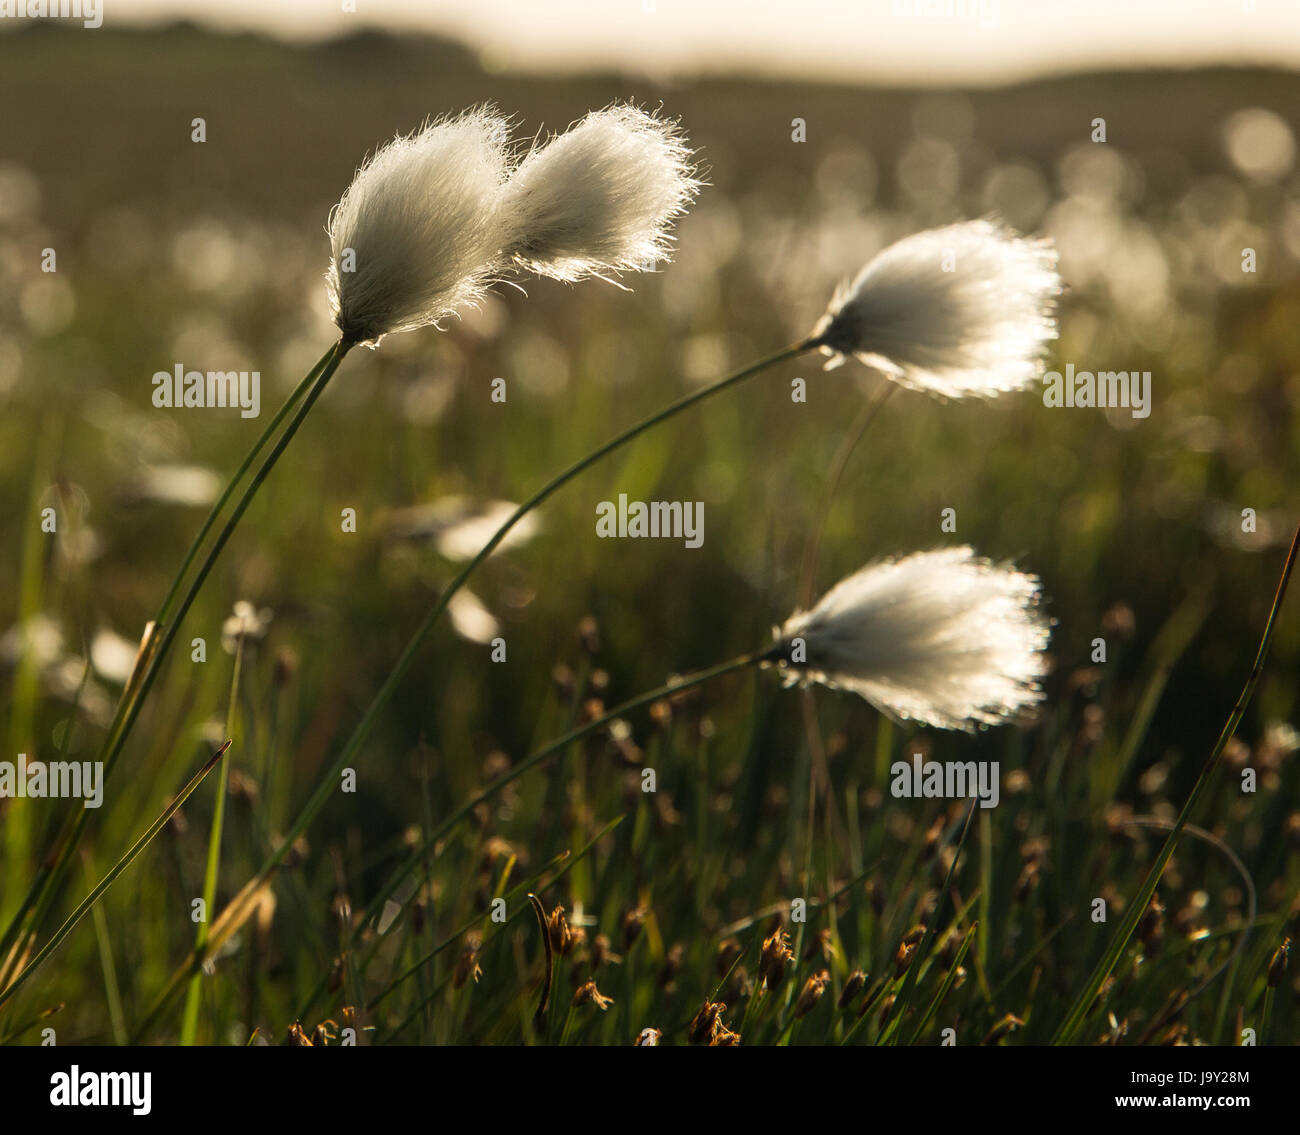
(876, 41)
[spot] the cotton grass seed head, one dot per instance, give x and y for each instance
(962, 311)
(943, 638)
(418, 234)
(598, 199)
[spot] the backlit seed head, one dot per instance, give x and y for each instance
(633, 921)
(418, 234)
(821, 946)
(467, 967)
(598, 200)
(1005, 1026)
(672, 966)
(943, 638)
(558, 928)
(903, 958)
(728, 951)
(961, 311)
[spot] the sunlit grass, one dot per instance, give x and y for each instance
(1128, 524)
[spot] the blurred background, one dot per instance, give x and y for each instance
(213, 255)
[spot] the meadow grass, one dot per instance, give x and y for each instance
(763, 796)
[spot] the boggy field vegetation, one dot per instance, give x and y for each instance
(772, 887)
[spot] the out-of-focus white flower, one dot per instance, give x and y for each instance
(190, 485)
(113, 656)
(961, 311)
(418, 233)
(943, 638)
(246, 623)
(459, 528)
(38, 641)
(598, 199)
(470, 619)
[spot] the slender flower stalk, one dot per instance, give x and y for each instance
(406, 659)
(854, 653)
(980, 582)
(9, 990)
(366, 239)
(1068, 1031)
(418, 234)
(190, 1021)
(158, 640)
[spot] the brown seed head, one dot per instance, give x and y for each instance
(633, 921)
(467, 967)
(706, 1022)
(811, 993)
(774, 959)
(588, 994)
(852, 987)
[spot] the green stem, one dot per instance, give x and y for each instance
(40, 894)
(107, 881)
(195, 959)
(294, 398)
(404, 662)
(190, 1025)
(406, 659)
(1074, 1019)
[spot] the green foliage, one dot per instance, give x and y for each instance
(171, 251)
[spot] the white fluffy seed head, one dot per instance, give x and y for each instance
(960, 311)
(943, 638)
(418, 234)
(598, 199)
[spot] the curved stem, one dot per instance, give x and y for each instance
(405, 660)
(1078, 1012)
(107, 881)
(295, 396)
(194, 959)
(689, 681)
(155, 649)
(407, 657)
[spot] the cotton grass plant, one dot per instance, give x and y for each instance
(432, 220)
(422, 231)
(943, 638)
